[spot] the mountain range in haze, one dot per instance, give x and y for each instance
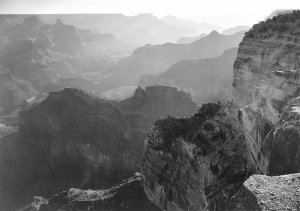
(151, 59)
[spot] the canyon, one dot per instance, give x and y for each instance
(153, 59)
(70, 148)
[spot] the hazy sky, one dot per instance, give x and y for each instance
(238, 11)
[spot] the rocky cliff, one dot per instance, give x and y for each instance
(196, 163)
(266, 79)
(76, 140)
(201, 166)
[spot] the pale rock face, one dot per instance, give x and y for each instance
(265, 193)
(255, 129)
(265, 74)
(266, 77)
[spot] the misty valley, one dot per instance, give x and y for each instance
(146, 113)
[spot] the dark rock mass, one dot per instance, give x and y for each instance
(73, 139)
(196, 163)
(127, 195)
(262, 192)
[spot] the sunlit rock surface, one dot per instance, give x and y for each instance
(127, 195)
(266, 81)
(267, 193)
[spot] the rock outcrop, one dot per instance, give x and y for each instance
(196, 163)
(262, 192)
(266, 79)
(157, 102)
(76, 140)
(127, 195)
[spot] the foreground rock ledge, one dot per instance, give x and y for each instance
(262, 192)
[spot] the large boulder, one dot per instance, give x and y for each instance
(267, 193)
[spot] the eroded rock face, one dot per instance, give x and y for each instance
(74, 139)
(266, 70)
(262, 192)
(127, 195)
(266, 78)
(196, 163)
(282, 146)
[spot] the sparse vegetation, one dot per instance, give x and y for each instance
(277, 24)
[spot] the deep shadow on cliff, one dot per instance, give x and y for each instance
(196, 163)
(73, 139)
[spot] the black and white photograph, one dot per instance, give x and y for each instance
(149, 105)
